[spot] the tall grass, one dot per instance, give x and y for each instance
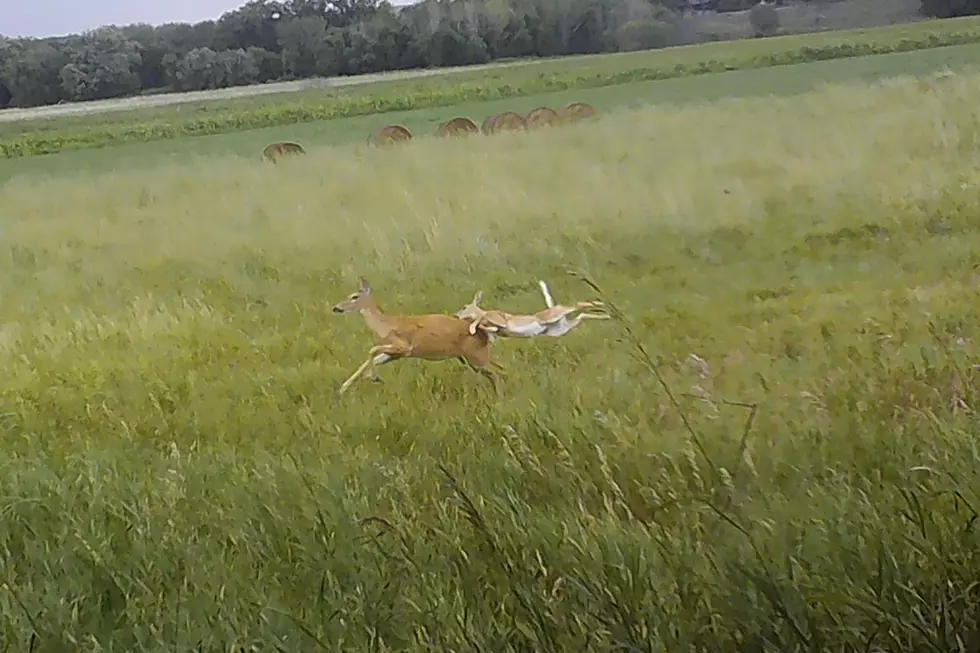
(773, 448)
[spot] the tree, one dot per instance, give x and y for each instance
(640, 25)
(203, 68)
(301, 40)
(103, 64)
(764, 19)
(255, 24)
(197, 70)
(337, 13)
(949, 8)
(31, 68)
(268, 64)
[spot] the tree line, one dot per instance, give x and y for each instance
(270, 40)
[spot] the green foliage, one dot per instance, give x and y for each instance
(736, 5)
(950, 8)
(105, 64)
(203, 68)
(764, 19)
(642, 34)
(516, 82)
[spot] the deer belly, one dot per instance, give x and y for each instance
(560, 328)
(526, 330)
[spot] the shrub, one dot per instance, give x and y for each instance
(764, 19)
(949, 8)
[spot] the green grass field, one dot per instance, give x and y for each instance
(771, 449)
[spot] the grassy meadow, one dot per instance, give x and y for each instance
(772, 449)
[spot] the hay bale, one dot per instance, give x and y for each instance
(508, 121)
(487, 126)
(389, 134)
(458, 126)
(578, 111)
(276, 151)
(541, 117)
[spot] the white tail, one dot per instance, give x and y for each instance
(548, 299)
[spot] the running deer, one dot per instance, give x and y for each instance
(428, 337)
(556, 320)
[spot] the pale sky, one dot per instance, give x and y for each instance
(59, 17)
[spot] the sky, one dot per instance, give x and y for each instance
(59, 17)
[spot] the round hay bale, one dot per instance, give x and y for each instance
(487, 126)
(507, 121)
(276, 151)
(389, 134)
(579, 111)
(540, 117)
(458, 126)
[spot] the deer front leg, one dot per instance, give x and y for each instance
(378, 355)
(476, 324)
(379, 359)
(484, 371)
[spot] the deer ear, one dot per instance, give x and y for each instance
(365, 286)
(478, 298)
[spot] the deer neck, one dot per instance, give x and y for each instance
(377, 321)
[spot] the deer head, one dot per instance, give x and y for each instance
(472, 310)
(357, 301)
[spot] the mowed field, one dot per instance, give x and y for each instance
(772, 446)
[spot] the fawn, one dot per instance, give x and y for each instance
(556, 320)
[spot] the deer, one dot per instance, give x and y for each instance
(555, 321)
(429, 337)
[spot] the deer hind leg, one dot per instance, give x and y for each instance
(581, 308)
(378, 355)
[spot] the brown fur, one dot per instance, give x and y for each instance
(540, 117)
(429, 337)
(459, 126)
(578, 111)
(507, 121)
(487, 126)
(389, 134)
(275, 151)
